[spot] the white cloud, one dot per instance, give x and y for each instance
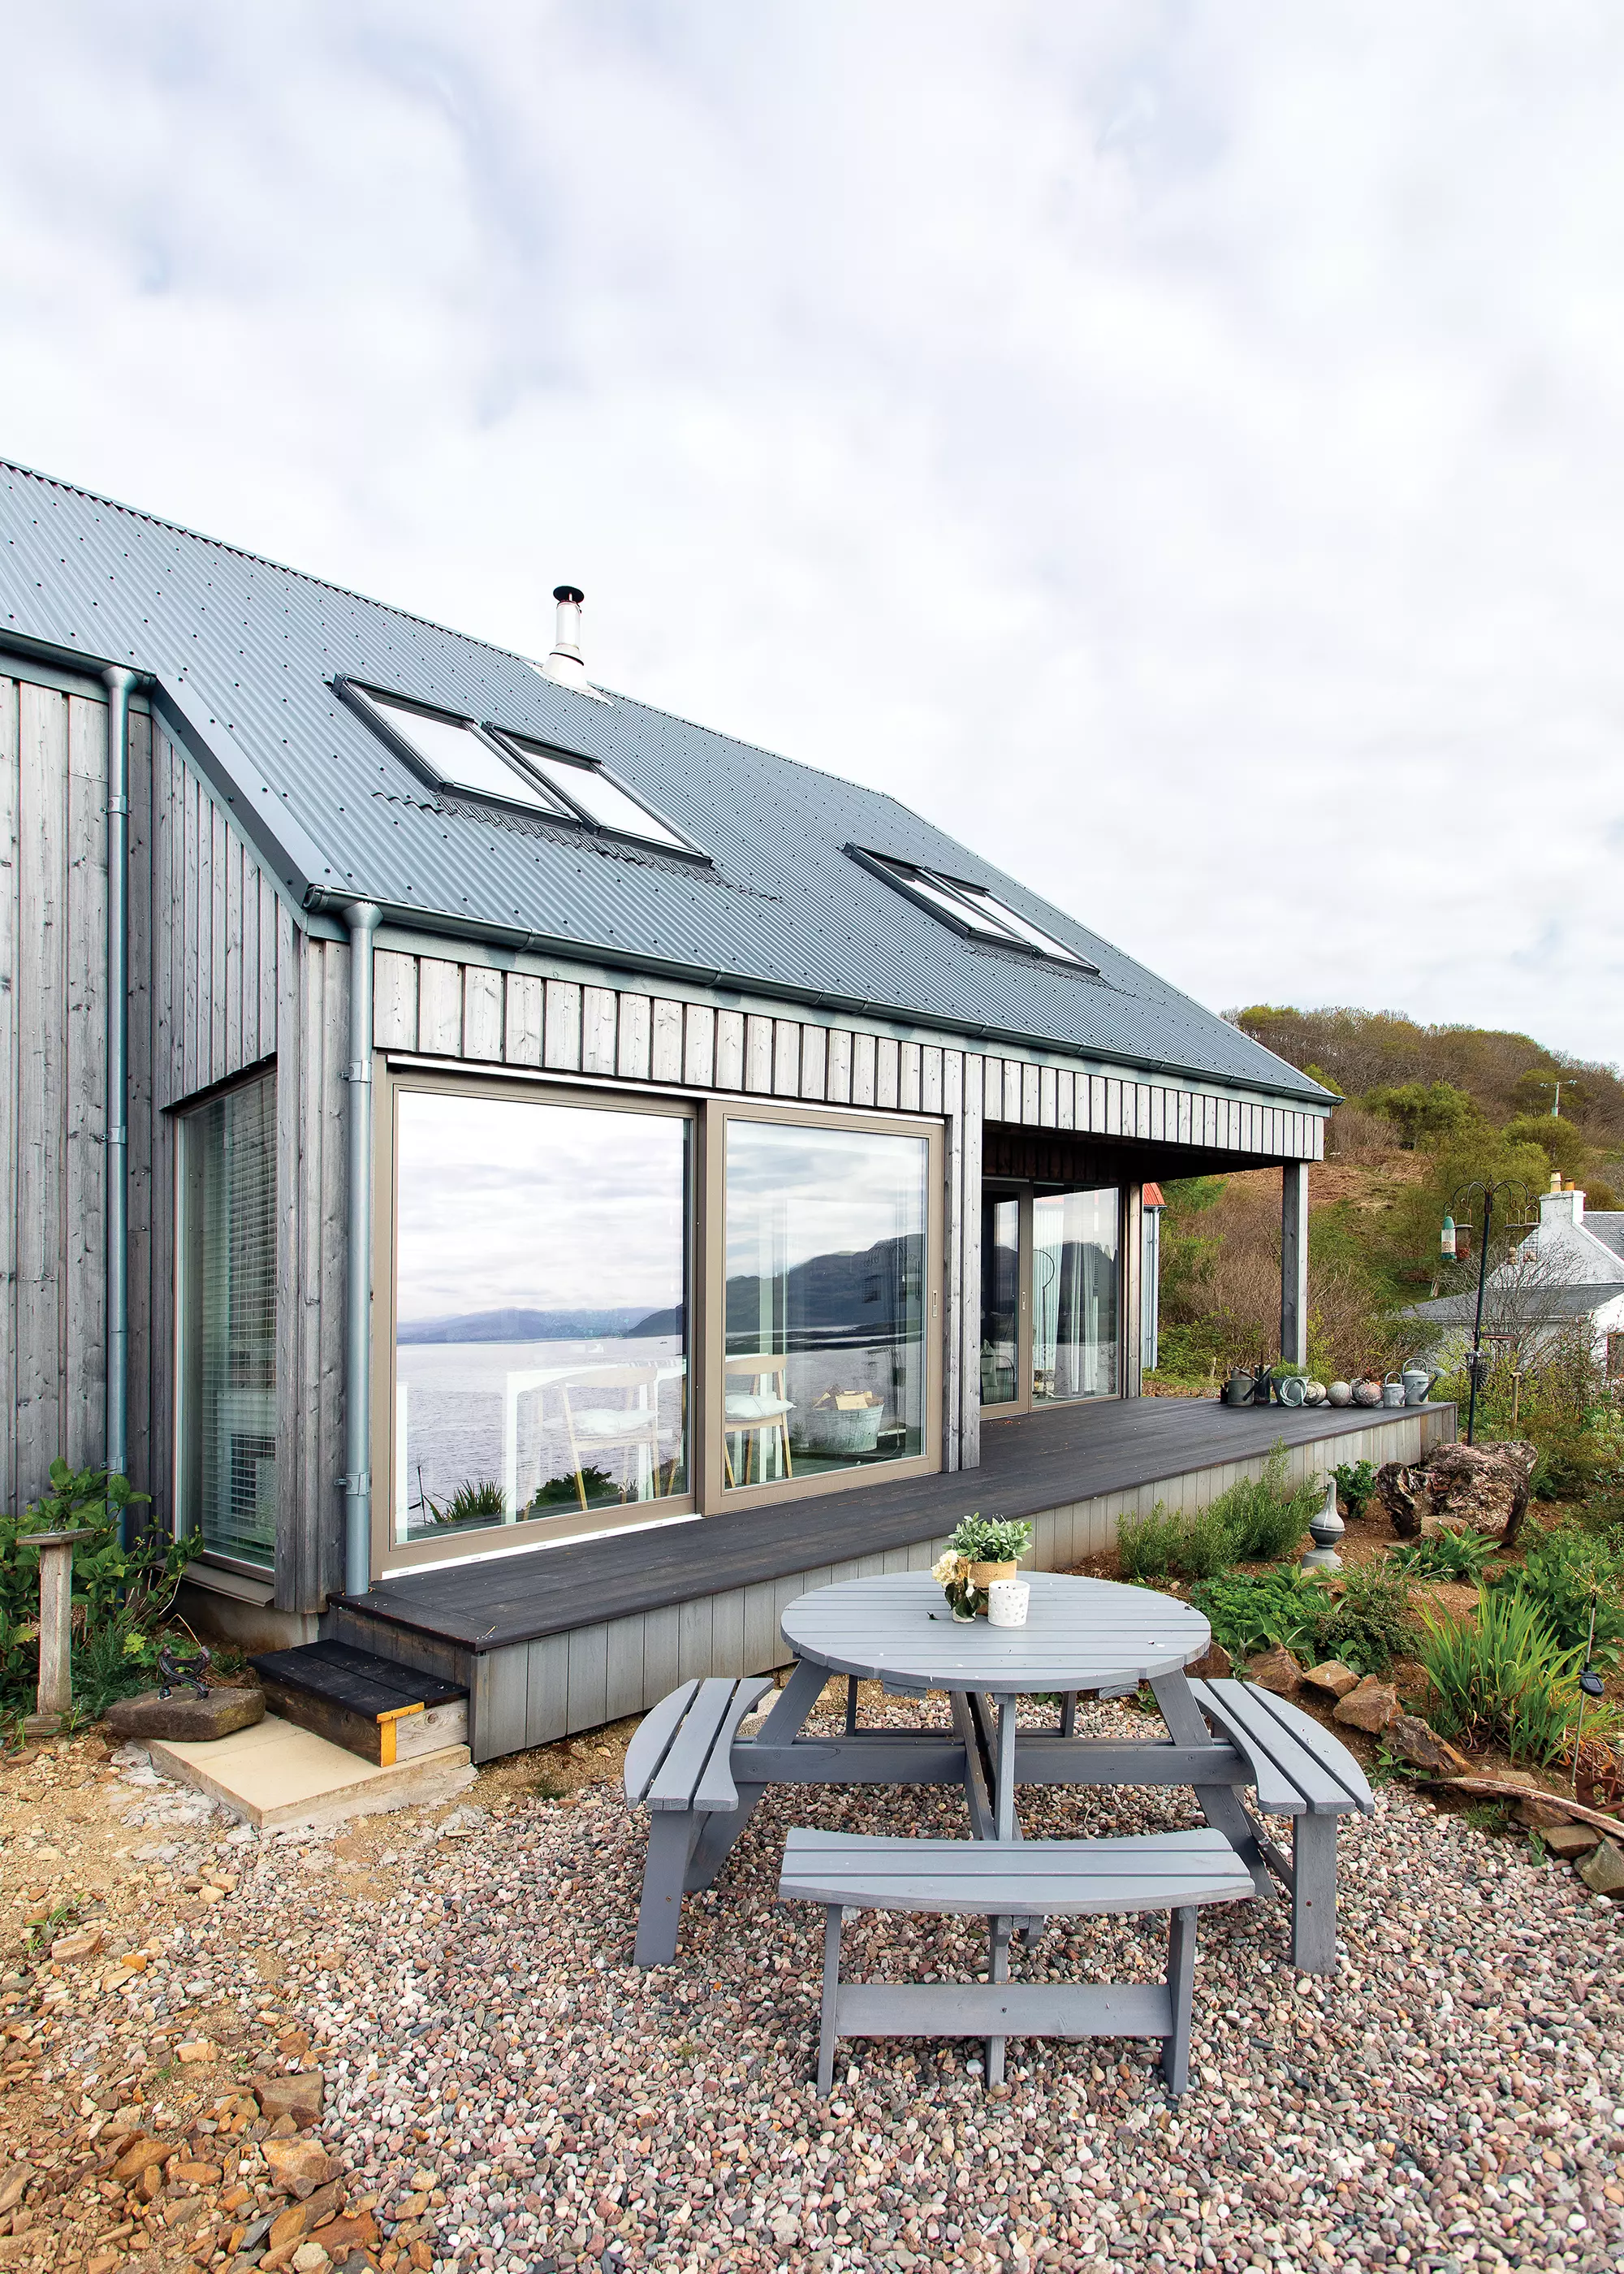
(1178, 449)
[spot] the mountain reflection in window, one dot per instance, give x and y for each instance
(541, 1331)
(824, 1324)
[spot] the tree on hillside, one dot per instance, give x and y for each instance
(1424, 1111)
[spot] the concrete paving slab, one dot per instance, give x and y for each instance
(275, 1774)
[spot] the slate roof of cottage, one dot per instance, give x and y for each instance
(780, 909)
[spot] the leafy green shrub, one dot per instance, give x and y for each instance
(1503, 1678)
(1145, 1544)
(1262, 1516)
(1446, 1555)
(1369, 1624)
(1251, 1612)
(1356, 1481)
(118, 1591)
(1569, 1463)
(561, 1491)
(1565, 1573)
(991, 1539)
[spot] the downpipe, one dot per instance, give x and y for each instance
(120, 683)
(361, 919)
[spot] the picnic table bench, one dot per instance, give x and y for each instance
(1174, 1871)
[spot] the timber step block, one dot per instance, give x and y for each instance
(385, 1711)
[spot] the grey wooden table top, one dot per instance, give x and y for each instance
(1080, 1634)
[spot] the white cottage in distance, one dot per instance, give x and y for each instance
(1570, 1267)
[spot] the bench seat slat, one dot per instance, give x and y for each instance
(1331, 1754)
(1054, 1877)
(1277, 1795)
(651, 1740)
(716, 1791)
(1308, 1768)
(681, 1769)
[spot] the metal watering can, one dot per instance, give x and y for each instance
(1418, 1380)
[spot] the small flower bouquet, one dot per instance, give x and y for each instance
(980, 1551)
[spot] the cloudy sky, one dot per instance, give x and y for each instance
(1177, 448)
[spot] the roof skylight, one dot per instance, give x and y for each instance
(456, 755)
(597, 796)
(970, 910)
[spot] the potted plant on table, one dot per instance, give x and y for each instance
(981, 1550)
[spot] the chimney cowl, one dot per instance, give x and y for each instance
(565, 663)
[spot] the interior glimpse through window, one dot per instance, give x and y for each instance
(1074, 1331)
(227, 1323)
(824, 1360)
(541, 1312)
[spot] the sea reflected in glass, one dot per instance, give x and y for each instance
(1074, 1330)
(825, 1356)
(541, 1329)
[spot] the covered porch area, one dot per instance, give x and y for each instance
(550, 1640)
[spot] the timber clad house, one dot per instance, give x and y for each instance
(534, 1183)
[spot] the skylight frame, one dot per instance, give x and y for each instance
(374, 706)
(532, 751)
(972, 910)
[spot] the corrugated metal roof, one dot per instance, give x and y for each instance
(781, 911)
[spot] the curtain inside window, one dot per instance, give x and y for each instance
(228, 1416)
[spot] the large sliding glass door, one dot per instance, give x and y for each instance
(1051, 1295)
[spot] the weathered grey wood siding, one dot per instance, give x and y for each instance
(207, 938)
(536, 1691)
(439, 1005)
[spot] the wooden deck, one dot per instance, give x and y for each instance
(1038, 1463)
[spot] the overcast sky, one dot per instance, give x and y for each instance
(1177, 448)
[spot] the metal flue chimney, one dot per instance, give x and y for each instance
(565, 663)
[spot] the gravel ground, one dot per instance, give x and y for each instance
(500, 2077)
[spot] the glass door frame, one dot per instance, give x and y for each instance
(1024, 1193)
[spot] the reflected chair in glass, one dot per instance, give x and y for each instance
(632, 1429)
(757, 1414)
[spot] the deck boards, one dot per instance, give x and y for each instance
(1042, 1461)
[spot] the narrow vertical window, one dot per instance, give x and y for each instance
(227, 1323)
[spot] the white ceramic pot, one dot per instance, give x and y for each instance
(1007, 1601)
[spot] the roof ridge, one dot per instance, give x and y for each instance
(262, 560)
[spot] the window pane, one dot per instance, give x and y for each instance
(826, 1352)
(964, 912)
(227, 1374)
(541, 1325)
(460, 759)
(596, 795)
(999, 913)
(1074, 1294)
(1000, 1299)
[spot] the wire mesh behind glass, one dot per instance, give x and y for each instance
(227, 1412)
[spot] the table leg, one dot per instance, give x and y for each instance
(1003, 1775)
(1219, 1803)
(997, 1970)
(978, 1797)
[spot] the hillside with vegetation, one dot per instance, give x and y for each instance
(1424, 1111)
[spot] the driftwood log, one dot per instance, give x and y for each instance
(1492, 1788)
(1459, 1488)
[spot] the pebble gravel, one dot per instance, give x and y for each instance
(500, 2074)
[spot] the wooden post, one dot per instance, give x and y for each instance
(55, 1694)
(1294, 1263)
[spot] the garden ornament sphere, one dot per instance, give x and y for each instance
(1341, 1393)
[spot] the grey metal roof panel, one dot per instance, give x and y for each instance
(1608, 1225)
(779, 908)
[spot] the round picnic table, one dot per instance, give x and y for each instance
(1079, 1634)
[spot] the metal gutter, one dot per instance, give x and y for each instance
(520, 940)
(362, 918)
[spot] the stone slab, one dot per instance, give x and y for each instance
(274, 1776)
(184, 1716)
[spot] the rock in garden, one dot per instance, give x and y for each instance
(298, 2096)
(1402, 1494)
(1213, 1665)
(1603, 1870)
(297, 2167)
(1415, 1741)
(184, 1719)
(1374, 1706)
(1482, 1487)
(1333, 1676)
(1276, 1670)
(141, 2152)
(1570, 1841)
(84, 1944)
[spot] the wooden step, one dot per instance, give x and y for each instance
(385, 1711)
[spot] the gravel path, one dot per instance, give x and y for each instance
(1454, 2096)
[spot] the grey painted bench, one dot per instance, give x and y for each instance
(1174, 1871)
(1300, 1770)
(679, 1765)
